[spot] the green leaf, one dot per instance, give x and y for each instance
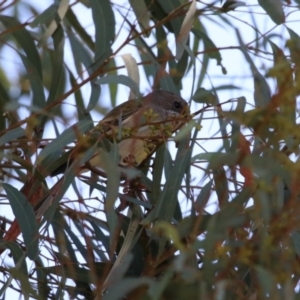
(41, 278)
(147, 54)
(121, 288)
(274, 9)
(266, 280)
(94, 98)
(168, 164)
(79, 29)
(158, 171)
(27, 165)
(12, 135)
(100, 236)
(169, 6)
(35, 82)
(203, 196)
(45, 17)
(81, 54)
(169, 197)
(58, 223)
(80, 105)
(120, 79)
(125, 256)
(80, 247)
(104, 21)
(141, 12)
(47, 205)
(180, 69)
(296, 240)
(204, 96)
(110, 166)
(262, 94)
(294, 46)
(221, 186)
(66, 137)
(76, 273)
(17, 254)
(57, 65)
(25, 40)
(210, 48)
(62, 9)
(4, 100)
(232, 5)
(283, 73)
(25, 217)
(165, 81)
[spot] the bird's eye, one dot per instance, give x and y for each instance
(177, 105)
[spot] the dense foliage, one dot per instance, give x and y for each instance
(214, 214)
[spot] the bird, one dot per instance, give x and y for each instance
(138, 126)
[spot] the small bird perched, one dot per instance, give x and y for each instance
(139, 126)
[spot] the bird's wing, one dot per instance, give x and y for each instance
(122, 111)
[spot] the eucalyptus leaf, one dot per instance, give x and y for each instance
(25, 217)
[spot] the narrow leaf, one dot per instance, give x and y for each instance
(141, 12)
(58, 65)
(24, 38)
(203, 196)
(17, 254)
(35, 82)
(210, 48)
(262, 93)
(61, 12)
(132, 71)
(274, 9)
(120, 79)
(185, 30)
(12, 135)
(25, 216)
(68, 136)
(104, 21)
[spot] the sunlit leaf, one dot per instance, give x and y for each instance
(132, 71)
(185, 30)
(61, 11)
(47, 15)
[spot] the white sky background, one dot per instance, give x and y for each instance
(238, 70)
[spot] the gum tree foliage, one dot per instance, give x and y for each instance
(214, 215)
